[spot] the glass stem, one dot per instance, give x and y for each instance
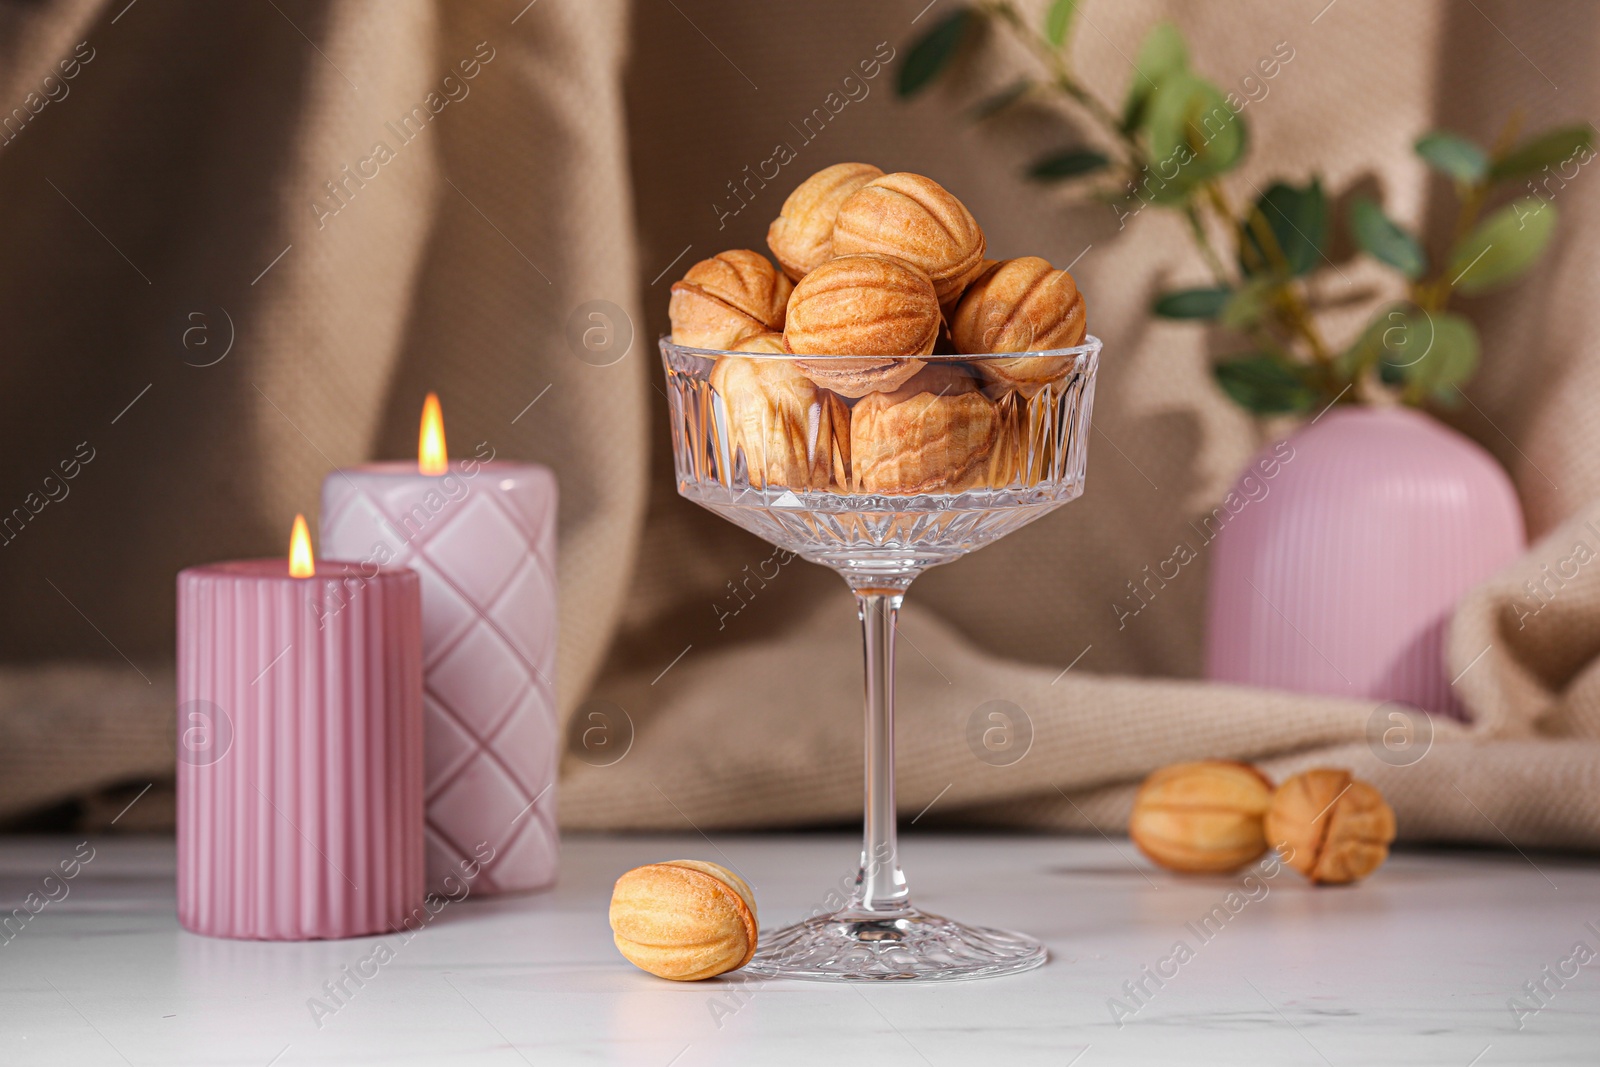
(880, 886)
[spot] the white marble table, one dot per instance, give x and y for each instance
(1415, 966)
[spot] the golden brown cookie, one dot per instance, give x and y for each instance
(1203, 816)
(726, 298)
(790, 432)
(1330, 826)
(870, 306)
(684, 919)
(915, 219)
(1020, 305)
(934, 434)
(766, 344)
(801, 237)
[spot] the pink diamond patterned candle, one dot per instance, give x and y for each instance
(299, 748)
(481, 534)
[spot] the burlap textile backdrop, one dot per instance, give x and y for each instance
(166, 204)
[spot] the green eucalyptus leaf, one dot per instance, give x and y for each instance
(991, 106)
(1369, 349)
(1383, 240)
(1545, 150)
(934, 50)
(1455, 156)
(1265, 383)
(1451, 358)
(1427, 352)
(1058, 21)
(1503, 246)
(1403, 339)
(1070, 163)
(1298, 220)
(1203, 303)
(1194, 134)
(1161, 53)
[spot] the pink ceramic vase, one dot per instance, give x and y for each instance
(1341, 552)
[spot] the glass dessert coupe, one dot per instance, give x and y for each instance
(880, 469)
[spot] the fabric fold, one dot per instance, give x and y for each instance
(251, 237)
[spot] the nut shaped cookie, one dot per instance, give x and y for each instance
(871, 306)
(789, 432)
(801, 237)
(1203, 816)
(684, 919)
(724, 299)
(1010, 459)
(1020, 305)
(1330, 827)
(766, 344)
(934, 434)
(915, 219)
(855, 378)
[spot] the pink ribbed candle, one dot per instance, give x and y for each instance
(482, 536)
(299, 750)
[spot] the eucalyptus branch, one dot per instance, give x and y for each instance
(1290, 301)
(1197, 226)
(1176, 116)
(1061, 77)
(1433, 296)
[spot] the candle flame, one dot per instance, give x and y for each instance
(301, 565)
(431, 455)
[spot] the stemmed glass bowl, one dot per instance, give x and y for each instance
(881, 469)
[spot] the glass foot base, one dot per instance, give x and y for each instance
(910, 946)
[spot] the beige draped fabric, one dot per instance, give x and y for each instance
(191, 187)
